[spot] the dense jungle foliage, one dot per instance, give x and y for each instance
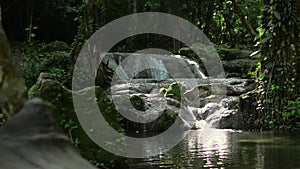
(268, 27)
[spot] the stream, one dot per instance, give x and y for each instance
(210, 108)
(229, 149)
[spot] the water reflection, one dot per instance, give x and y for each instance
(228, 149)
(209, 145)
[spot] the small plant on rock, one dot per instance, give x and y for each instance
(175, 91)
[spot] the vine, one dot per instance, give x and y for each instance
(278, 81)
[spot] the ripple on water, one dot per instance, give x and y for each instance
(228, 149)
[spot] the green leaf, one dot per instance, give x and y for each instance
(260, 34)
(270, 23)
(283, 28)
(229, 2)
(277, 15)
(264, 40)
(292, 108)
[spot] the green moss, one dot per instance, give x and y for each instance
(31, 92)
(54, 92)
(138, 103)
(166, 120)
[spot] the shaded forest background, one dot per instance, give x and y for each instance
(223, 21)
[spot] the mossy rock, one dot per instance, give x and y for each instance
(236, 62)
(166, 120)
(205, 56)
(240, 67)
(138, 103)
(233, 54)
(51, 90)
(225, 54)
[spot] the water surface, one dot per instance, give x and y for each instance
(229, 149)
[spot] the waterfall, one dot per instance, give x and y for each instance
(207, 102)
(148, 68)
(152, 66)
(194, 66)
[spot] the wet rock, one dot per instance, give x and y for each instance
(201, 124)
(136, 87)
(231, 102)
(213, 100)
(224, 118)
(239, 67)
(208, 110)
(205, 90)
(230, 119)
(234, 54)
(236, 63)
(160, 113)
(31, 140)
(52, 91)
(221, 112)
(200, 91)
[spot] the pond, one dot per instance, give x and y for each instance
(228, 149)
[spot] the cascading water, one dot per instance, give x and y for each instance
(149, 68)
(152, 66)
(145, 74)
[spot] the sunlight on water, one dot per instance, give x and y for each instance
(229, 149)
(211, 145)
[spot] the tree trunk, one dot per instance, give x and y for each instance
(91, 19)
(239, 12)
(209, 18)
(12, 86)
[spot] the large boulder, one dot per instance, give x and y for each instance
(52, 91)
(32, 140)
(239, 67)
(221, 112)
(222, 87)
